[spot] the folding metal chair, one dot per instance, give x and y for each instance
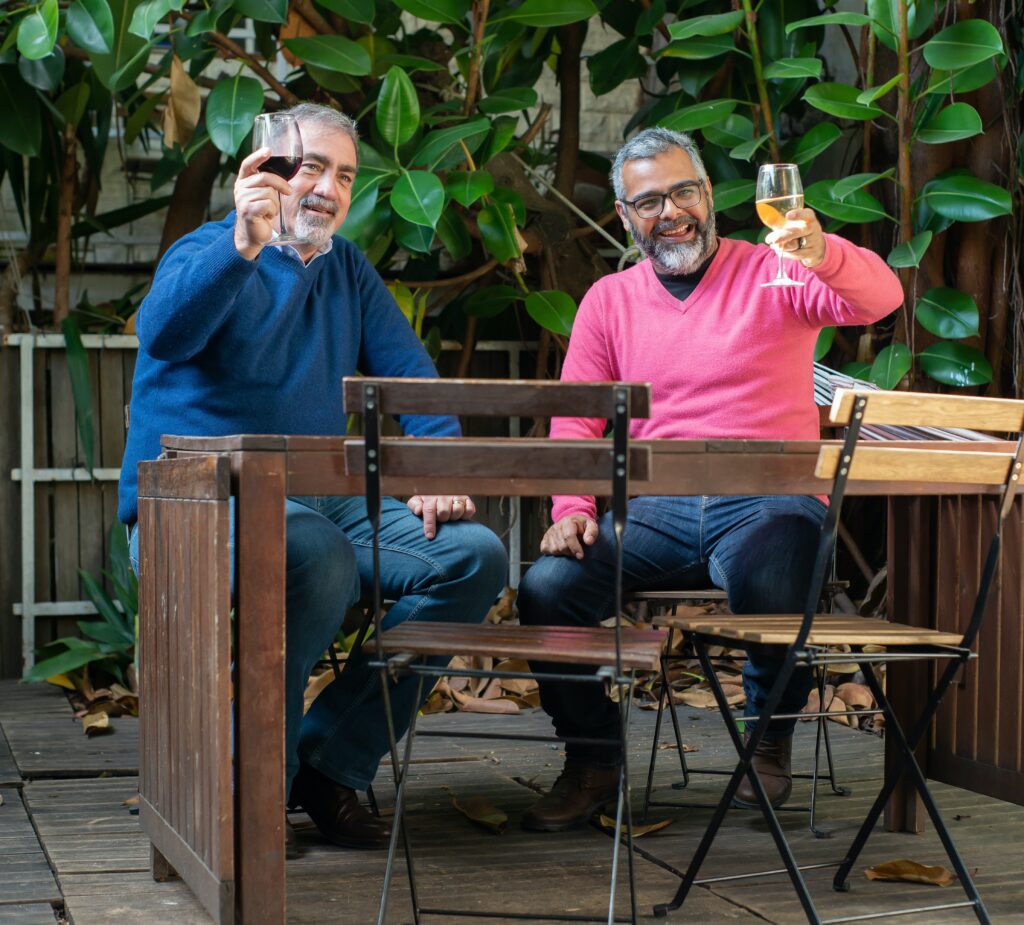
(505, 466)
(986, 468)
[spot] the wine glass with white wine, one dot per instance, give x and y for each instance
(778, 191)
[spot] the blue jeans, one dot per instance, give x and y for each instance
(760, 550)
(329, 561)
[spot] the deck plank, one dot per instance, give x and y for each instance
(25, 875)
(9, 775)
(27, 914)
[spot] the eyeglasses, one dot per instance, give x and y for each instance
(684, 196)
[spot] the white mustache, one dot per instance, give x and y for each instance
(319, 202)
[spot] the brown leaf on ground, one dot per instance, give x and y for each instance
(131, 801)
(911, 872)
(435, 703)
(666, 746)
(95, 723)
(734, 694)
(857, 696)
(313, 688)
(481, 811)
(505, 609)
(638, 830)
(469, 704)
(695, 698)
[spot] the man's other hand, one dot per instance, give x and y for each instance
(801, 238)
(435, 509)
(256, 204)
(564, 538)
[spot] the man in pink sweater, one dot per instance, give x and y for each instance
(726, 359)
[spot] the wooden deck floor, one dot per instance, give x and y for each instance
(71, 851)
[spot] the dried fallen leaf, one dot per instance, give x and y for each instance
(481, 811)
(638, 830)
(94, 723)
(695, 698)
(314, 687)
(911, 872)
(476, 705)
(131, 801)
(857, 696)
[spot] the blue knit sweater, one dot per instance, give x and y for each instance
(231, 346)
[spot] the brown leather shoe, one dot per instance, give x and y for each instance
(580, 791)
(291, 842)
(772, 764)
(337, 812)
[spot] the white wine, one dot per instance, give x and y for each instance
(772, 212)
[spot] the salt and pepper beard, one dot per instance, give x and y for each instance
(316, 228)
(681, 258)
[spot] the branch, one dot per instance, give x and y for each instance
(536, 125)
(570, 39)
(762, 89)
(312, 15)
(451, 280)
(480, 10)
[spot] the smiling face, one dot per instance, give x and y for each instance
(322, 187)
(680, 239)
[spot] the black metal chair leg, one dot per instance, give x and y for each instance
(663, 695)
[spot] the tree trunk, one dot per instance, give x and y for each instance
(570, 40)
(191, 198)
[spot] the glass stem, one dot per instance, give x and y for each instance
(780, 275)
(284, 229)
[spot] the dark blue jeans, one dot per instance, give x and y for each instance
(760, 550)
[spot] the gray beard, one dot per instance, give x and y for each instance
(316, 228)
(684, 257)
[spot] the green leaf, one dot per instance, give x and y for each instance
(43, 73)
(231, 107)
(69, 660)
(81, 390)
(947, 313)
(72, 102)
(23, 129)
(142, 116)
(830, 19)
(731, 193)
(105, 606)
(714, 24)
(808, 146)
(824, 342)
(356, 10)
(868, 96)
(698, 116)
(615, 64)
(412, 237)
(910, 253)
(497, 229)
(973, 78)
(502, 133)
(91, 26)
(956, 121)
(148, 13)
(37, 32)
(745, 151)
(103, 632)
(920, 14)
(333, 52)
(842, 188)
(207, 20)
(451, 230)
(699, 49)
(510, 100)
(789, 68)
(408, 63)
(334, 81)
(511, 198)
(731, 131)
(490, 301)
(263, 10)
(963, 45)
(362, 206)
(398, 107)
(857, 207)
(856, 370)
(437, 10)
(548, 14)
(552, 309)
(965, 198)
(840, 100)
(891, 365)
(107, 221)
(466, 187)
(434, 149)
(955, 364)
(128, 54)
(418, 196)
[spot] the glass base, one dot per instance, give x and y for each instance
(782, 281)
(285, 239)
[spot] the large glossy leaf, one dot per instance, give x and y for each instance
(962, 45)
(824, 342)
(466, 187)
(965, 198)
(714, 24)
(790, 68)
(830, 19)
(412, 237)
(418, 196)
(891, 365)
(148, 13)
(371, 225)
(947, 313)
(847, 185)
(730, 131)
(512, 199)
(334, 52)
(91, 26)
(549, 14)
(856, 370)
(23, 129)
(437, 10)
(128, 53)
(398, 108)
(699, 116)
(955, 364)
(552, 309)
(408, 63)
(490, 301)
(910, 253)
(840, 100)
(497, 229)
(263, 10)
(451, 230)
(37, 32)
(700, 48)
(72, 102)
(356, 10)
(230, 110)
(731, 193)
(856, 207)
(810, 144)
(876, 93)
(361, 206)
(511, 100)
(435, 148)
(43, 73)
(972, 78)
(207, 20)
(746, 150)
(502, 133)
(619, 62)
(920, 14)
(956, 121)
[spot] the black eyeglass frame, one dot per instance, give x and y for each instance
(686, 184)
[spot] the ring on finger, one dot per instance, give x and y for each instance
(801, 244)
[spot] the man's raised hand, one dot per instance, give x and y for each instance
(564, 538)
(256, 204)
(801, 238)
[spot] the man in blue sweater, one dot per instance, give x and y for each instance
(238, 337)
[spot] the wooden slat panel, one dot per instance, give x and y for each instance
(927, 409)
(199, 478)
(571, 644)
(880, 463)
(497, 397)
(225, 444)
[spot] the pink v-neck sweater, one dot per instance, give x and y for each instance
(733, 360)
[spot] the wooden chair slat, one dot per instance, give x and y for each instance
(497, 397)
(926, 409)
(641, 648)
(881, 463)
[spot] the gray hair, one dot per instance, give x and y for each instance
(327, 117)
(650, 143)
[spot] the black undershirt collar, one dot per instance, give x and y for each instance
(681, 285)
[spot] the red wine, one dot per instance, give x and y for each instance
(283, 166)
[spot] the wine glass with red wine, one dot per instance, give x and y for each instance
(280, 132)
